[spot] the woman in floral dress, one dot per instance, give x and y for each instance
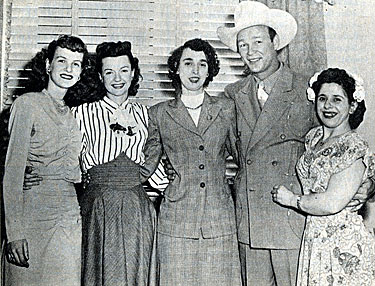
(337, 249)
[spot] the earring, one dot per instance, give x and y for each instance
(48, 71)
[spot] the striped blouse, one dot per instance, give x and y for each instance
(101, 144)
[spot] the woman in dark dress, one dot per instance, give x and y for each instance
(118, 217)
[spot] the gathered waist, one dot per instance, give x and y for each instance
(66, 173)
(119, 172)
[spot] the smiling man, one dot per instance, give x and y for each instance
(273, 116)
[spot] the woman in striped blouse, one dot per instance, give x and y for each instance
(114, 205)
(117, 215)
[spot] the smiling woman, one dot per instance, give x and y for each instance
(43, 225)
(336, 245)
(197, 237)
(118, 217)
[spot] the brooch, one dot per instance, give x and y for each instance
(117, 128)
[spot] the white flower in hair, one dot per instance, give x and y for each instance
(310, 91)
(310, 94)
(359, 93)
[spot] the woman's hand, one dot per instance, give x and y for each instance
(18, 252)
(364, 193)
(30, 178)
(330, 2)
(85, 179)
(282, 196)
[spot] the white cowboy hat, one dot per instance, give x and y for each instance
(251, 13)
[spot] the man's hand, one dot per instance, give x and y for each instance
(30, 179)
(18, 252)
(365, 192)
(171, 173)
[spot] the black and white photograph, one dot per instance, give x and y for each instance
(187, 143)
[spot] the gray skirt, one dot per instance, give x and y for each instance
(186, 261)
(118, 222)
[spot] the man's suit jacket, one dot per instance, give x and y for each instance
(198, 200)
(272, 140)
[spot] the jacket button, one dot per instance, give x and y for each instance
(274, 163)
(202, 185)
(201, 147)
(249, 162)
(282, 136)
(201, 166)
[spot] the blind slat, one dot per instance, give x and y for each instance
(154, 27)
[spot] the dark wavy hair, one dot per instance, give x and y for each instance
(37, 78)
(89, 88)
(112, 49)
(197, 45)
(342, 78)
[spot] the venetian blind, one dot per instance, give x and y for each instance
(154, 27)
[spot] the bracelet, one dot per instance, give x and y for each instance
(298, 201)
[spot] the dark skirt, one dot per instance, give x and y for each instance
(118, 222)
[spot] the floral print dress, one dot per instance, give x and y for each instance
(336, 249)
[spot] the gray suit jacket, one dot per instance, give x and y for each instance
(198, 199)
(272, 140)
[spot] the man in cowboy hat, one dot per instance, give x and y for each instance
(273, 116)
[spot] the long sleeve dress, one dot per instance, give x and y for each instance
(336, 249)
(46, 137)
(118, 217)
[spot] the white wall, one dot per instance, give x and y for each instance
(350, 35)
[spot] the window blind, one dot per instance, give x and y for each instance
(154, 27)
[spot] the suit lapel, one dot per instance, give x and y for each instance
(180, 115)
(277, 103)
(209, 112)
(248, 103)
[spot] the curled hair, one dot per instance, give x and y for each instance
(38, 77)
(112, 49)
(342, 78)
(197, 45)
(89, 88)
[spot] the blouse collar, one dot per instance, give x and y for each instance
(112, 106)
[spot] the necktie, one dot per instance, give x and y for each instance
(262, 94)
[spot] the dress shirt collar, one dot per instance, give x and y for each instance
(270, 81)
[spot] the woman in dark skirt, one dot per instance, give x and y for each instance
(118, 217)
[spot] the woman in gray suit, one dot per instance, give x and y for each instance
(197, 237)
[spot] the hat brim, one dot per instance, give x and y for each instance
(281, 21)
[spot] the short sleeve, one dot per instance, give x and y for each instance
(348, 150)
